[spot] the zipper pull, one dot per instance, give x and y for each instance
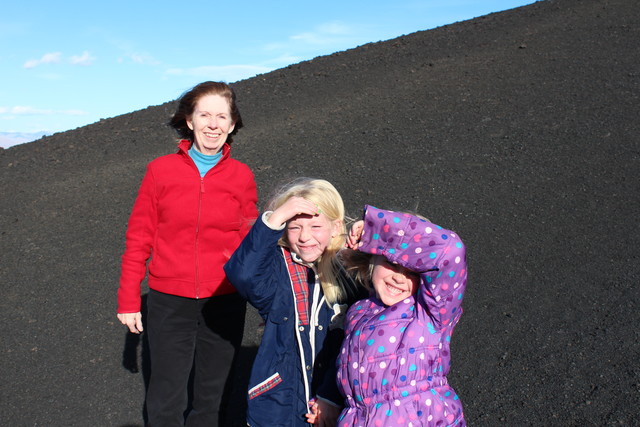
(202, 185)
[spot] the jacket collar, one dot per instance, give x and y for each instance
(185, 145)
(296, 258)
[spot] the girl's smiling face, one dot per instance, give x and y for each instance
(392, 282)
(310, 235)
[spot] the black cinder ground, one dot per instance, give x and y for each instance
(519, 130)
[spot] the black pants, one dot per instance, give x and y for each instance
(185, 334)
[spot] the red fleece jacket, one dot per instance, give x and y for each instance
(189, 226)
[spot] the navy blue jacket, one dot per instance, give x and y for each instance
(283, 377)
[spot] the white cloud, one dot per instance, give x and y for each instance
(20, 110)
(229, 73)
(139, 58)
(144, 59)
(326, 33)
(84, 59)
(47, 58)
(323, 39)
(56, 58)
(130, 53)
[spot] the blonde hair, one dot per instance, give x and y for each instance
(335, 286)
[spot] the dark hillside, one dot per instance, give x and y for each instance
(519, 130)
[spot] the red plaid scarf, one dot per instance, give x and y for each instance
(299, 275)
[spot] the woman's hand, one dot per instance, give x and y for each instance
(354, 234)
(292, 207)
(132, 320)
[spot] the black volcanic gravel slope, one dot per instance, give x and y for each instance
(519, 130)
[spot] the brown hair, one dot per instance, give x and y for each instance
(187, 104)
(359, 265)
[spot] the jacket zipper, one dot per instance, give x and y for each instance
(197, 290)
(197, 284)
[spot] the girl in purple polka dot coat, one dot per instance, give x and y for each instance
(395, 358)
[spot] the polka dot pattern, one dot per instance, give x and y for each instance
(402, 352)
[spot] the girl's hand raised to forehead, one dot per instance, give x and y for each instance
(354, 234)
(292, 207)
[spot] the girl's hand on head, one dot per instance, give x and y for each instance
(354, 234)
(292, 207)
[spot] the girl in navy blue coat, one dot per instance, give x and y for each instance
(287, 267)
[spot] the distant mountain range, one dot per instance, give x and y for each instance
(9, 139)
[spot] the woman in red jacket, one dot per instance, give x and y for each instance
(192, 211)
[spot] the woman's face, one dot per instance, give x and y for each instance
(211, 123)
(392, 282)
(310, 235)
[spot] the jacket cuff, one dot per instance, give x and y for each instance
(328, 401)
(265, 220)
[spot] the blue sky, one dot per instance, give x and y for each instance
(71, 63)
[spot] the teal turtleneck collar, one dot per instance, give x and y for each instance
(204, 162)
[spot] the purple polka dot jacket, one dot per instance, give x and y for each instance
(394, 360)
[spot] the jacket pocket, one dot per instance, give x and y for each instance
(265, 386)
